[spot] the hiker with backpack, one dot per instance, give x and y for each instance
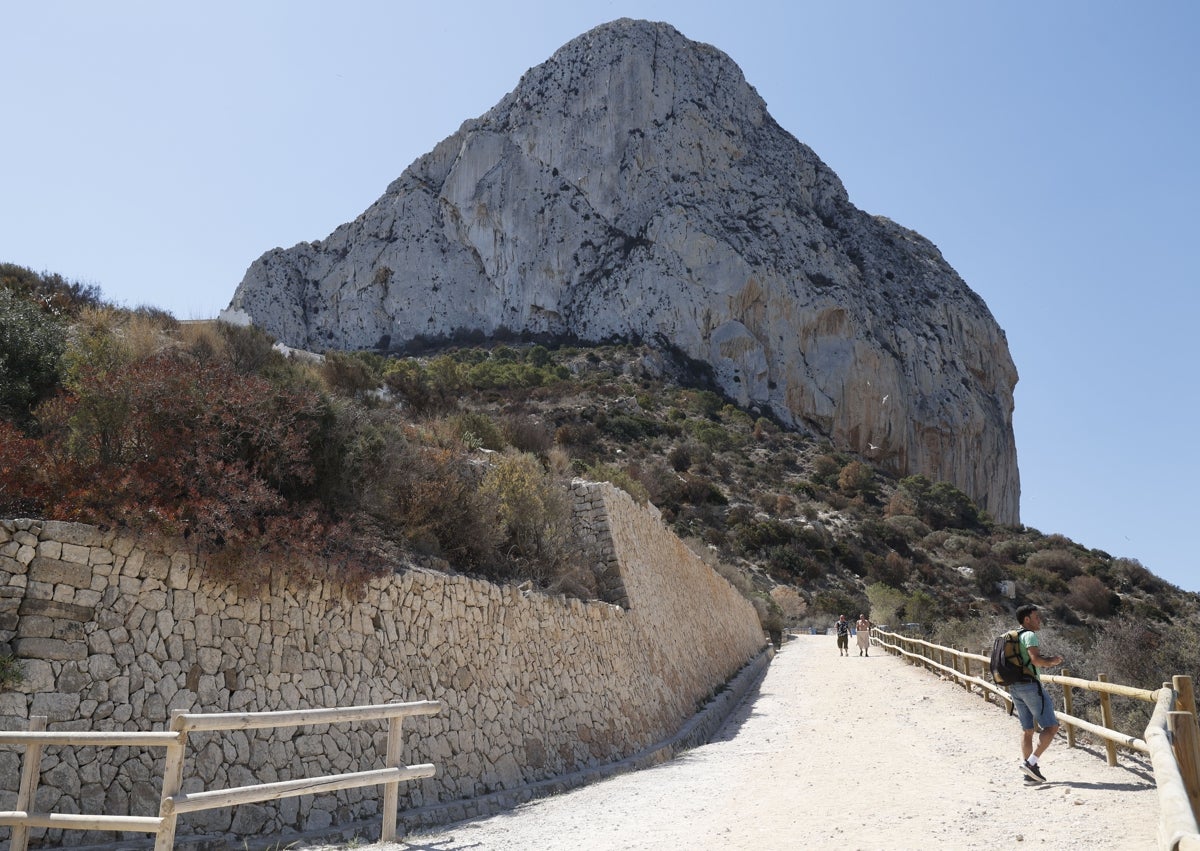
(1015, 662)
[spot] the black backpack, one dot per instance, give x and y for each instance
(1006, 659)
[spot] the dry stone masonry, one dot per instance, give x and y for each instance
(113, 633)
(634, 185)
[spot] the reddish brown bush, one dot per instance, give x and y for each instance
(221, 458)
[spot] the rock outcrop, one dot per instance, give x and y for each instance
(635, 186)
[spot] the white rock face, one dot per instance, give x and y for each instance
(634, 186)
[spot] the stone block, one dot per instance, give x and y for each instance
(156, 566)
(50, 648)
(88, 599)
(57, 610)
(75, 554)
(55, 572)
(50, 549)
(34, 626)
(102, 667)
(72, 679)
(79, 534)
(55, 706)
(36, 675)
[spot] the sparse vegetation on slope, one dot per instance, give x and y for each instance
(351, 462)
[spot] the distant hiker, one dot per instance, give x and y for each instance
(843, 635)
(863, 627)
(1030, 698)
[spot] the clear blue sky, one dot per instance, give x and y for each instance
(1050, 150)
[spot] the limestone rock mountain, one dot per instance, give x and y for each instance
(635, 186)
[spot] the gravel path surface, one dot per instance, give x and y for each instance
(840, 753)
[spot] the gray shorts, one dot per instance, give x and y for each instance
(1032, 702)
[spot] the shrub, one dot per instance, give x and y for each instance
(249, 350)
(25, 485)
(580, 435)
(1039, 579)
(11, 674)
(700, 490)
(194, 449)
(939, 504)
(538, 356)
(856, 479)
(477, 431)
(1089, 594)
(31, 347)
(526, 434)
(52, 292)
(679, 458)
(619, 477)
(758, 537)
(704, 402)
(1135, 575)
(921, 607)
(988, 576)
(1014, 550)
(534, 515)
(629, 429)
(431, 497)
(892, 570)
(826, 469)
(712, 435)
(663, 485)
(789, 563)
(911, 528)
(350, 374)
(839, 603)
(1060, 562)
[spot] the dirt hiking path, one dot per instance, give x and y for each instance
(840, 753)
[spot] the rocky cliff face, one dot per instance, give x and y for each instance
(634, 185)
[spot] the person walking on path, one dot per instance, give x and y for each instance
(863, 629)
(843, 635)
(1030, 698)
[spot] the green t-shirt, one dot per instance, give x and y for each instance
(1028, 639)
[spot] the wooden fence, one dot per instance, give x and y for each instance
(1171, 739)
(173, 801)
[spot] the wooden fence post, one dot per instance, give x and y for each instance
(1185, 700)
(391, 791)
(1069, 708)
(1185, 737)
(31, 770)
(164, 840)
(966, 669)
(1106, 719)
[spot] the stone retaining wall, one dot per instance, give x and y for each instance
(114, 633)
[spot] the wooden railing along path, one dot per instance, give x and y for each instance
(1171, 739)
(174, 801)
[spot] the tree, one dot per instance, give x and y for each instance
(886, 603)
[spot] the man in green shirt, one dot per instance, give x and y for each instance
(1030, 698)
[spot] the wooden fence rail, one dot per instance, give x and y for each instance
(1171, 739)
(173, 801)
